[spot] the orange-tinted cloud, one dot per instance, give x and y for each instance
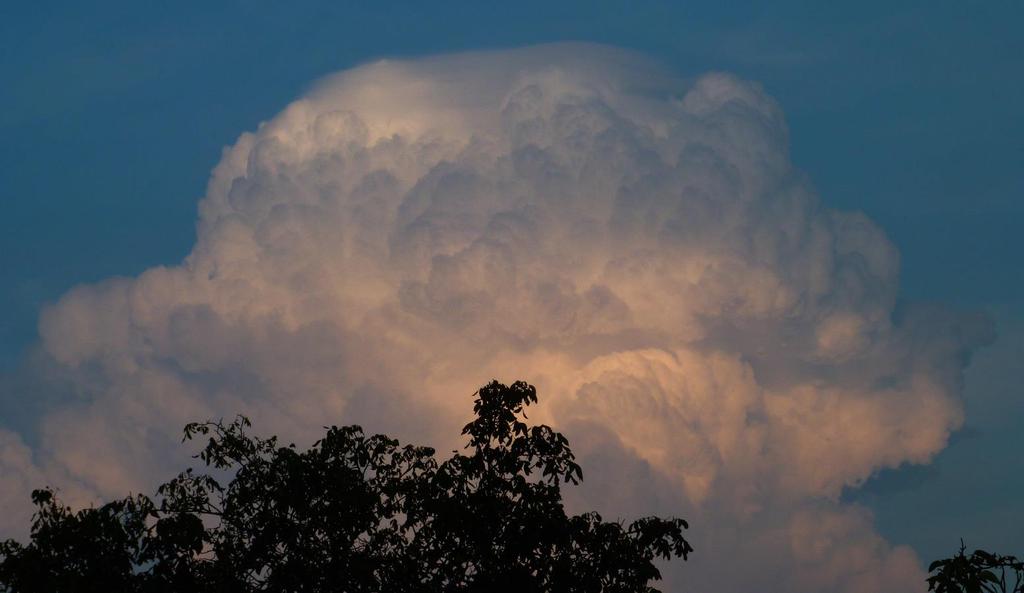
(638, 246)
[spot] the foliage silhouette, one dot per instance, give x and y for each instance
(354, 513)
(981, 572)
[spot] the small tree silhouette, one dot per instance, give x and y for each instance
(981, 572)
(354, 513)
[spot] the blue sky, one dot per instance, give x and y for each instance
(111, 118)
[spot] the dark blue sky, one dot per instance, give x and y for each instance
(111, 119)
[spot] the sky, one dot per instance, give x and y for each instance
(908, 113)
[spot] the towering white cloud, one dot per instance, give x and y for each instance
(717, 342)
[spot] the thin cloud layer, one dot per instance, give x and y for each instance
(717, 342)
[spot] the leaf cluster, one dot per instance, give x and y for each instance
(980, 572)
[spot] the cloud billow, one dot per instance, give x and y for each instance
(717, 341)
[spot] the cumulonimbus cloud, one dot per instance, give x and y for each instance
(717, 341)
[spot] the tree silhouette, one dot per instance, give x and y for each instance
(981, 572)
(353, 513)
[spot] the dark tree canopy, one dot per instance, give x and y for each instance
(981, 572)
(354, 513)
